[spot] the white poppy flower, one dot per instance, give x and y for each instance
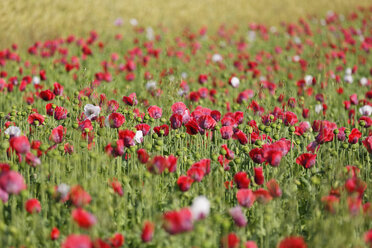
(318, 108)
(91, 111)
(348, 78)
(151, 85)
(133, 22)
(308, 80)
(63, 189)
(348, 71)
(13, 131)
(35, 80)
(363, 81)
(234, 81)
(365, 110)
(138, 137)
(216, 58)
(200, 208)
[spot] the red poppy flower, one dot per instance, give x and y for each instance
(245, 197)
(117, 240)
(176, 222)
(230, 241)
(83, 218)
(258, 176)
(116, 120)
(162, 130)
(145, 128)
(54, 234)
(273, 188)
(147, 231)
(79, 197)
(242, 181)
(368, 144)
(292, 242)
(116, 186)
(307, 160)
(20, 144)
(33, 206)
(184, 183)
(77, 241)
(47, 95)
(35, 119)
(256, 155)
(241, 136)
(192, 127)
(196, 173)
(354, 136)
(143, 157)
(290, 118)
(131, 99)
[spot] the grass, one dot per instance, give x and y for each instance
(24, 22)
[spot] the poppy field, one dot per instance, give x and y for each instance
(245, 136)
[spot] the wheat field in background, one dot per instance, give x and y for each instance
(25, 21)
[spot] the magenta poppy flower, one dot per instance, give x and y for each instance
(20, 144)
(176, 121)
(128, 137)
(155, 112)
(238, 216)
(58, 89)
(12, 182)
(60, 113)
(226, 132)
(307, 160)
(206, 122)
(58, 134)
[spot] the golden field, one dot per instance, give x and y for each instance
(25, 21)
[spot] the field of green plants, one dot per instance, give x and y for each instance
(250, 136)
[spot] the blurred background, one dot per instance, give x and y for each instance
(24, 22)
